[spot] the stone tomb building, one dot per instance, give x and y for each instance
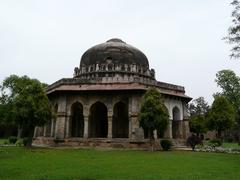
(100, 105)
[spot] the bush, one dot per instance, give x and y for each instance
(6, 142)
(12, 139)
(229, 140)
(19, 142)
(216, 142)
(194, 140)
(25, 141)
(166, 144)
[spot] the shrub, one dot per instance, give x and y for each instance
(216, 142)
(12, 139)
(19, 142)
(25, 141)
(6, 142)
(194, 140)
(166, 144)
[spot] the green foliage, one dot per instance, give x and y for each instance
(166, 144)
(12, 139)
(194, 140)
(197, 124)
(6, 141)
(19, 142)
(198, 110)
(198, 107)
(25, 141)
(153, 113)
(221, 115)
(215, 142)
(25, 102)
(234, 31)
(229, 82)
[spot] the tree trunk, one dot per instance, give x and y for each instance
(20, 130)
(219, 133)
(30, 137)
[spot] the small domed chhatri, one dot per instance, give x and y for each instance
(99, 106)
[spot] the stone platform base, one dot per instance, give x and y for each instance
(104, 143)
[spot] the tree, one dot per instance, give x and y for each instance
(234, 31)
(229, 82)
(26, 102)
(153, 114)
(221, 115)
(198, 110)
(198, 107)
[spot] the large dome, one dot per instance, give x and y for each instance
(116, 51)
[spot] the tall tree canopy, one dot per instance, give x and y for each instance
(234, 30)
(198, 107)
(153, 114)
(229, 83)
(25, 102)
(198, 110)
(221, 115)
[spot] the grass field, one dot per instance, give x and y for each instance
(21, 163)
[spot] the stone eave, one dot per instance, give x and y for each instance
(61, 86)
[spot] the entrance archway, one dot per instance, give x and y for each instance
(120, 124)
(98, 121)
(175, 122)
(77, 124)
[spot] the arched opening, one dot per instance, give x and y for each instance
(120, 124)
(98, 121)
(175, 122)
(77, 120)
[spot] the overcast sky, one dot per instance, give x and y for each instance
(45, 39)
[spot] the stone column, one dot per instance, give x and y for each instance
(45, 130)
(35, 132)
(52, 128)
(85, 133)
(168, 132)
(180, 129)
(110, 127)
(60, 126)
(185, 129)
(68, 121)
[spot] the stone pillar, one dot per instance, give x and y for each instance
(68, 121)
(53, 124)
(185, 129)
(110, 127)
(60, 126)
(45, 130)
(35, 132)
(180, 129)
(133, 126)
(168, 132)
(85, 133)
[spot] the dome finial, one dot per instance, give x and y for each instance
(116, 40)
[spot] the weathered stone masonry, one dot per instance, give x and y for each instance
(99, 106)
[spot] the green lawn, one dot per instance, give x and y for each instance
(21, 163)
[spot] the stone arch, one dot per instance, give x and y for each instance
(98, 120)
(77, 120)
(176, 117)
(120, 124)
